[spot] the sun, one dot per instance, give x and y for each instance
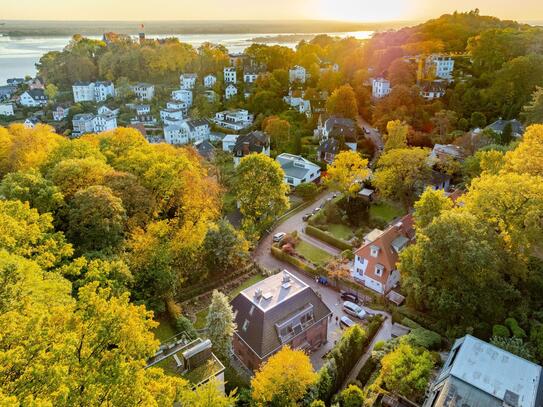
(361, 10)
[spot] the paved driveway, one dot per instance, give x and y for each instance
(375, 136)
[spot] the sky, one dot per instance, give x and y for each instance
(348, 10)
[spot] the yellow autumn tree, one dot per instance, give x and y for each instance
(347, 172)
(396, 136)
(283, 379)
(527, 158)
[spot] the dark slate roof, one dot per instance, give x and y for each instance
(500, 124)
(261, 333)
(339, 121)
(330, 146)
(204, 148)
(257, 140)
(37, 94)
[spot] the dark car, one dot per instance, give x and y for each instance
(352, 297)
(307, 216)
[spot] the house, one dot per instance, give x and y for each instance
(6, 109)
(205, 149)
(93, 91)
(188, 80)
(210, 81)
(236, 119)
(328, 67)
(254, 142)
(297, 169)
(278, 311)
(33, 98)
(36, 83)
(141, 109)
(145, 119)
(439, 181)
(89, 123)
(380, 88)
(190, 358)
(297, 74)
(171, 115)
(103, 122)
(499, 125)
(250, 76)
(230, 75)
(477, 373)
(183, 95)
(60, 113)
(447, 151)
(107, 111)
(336, 127)
(230, 91)
(229, 141)
(299, 104)
(31, 122)
(199, 129)
(375, 261)
(15, 81)
(144, 91)
(327, 150)
(440, 66)
(6, 91)
(186, 131)
(103, 90)
(431, 90)
(237, 59)
(177, 105)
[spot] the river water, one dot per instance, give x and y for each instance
(18, 55)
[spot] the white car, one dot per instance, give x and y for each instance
(279, 236)
(352, 309)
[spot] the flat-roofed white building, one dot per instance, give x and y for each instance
(6, 109)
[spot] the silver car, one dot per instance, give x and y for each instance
(352, 309)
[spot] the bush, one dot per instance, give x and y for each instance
(296, 262)
(424, 338)
(347, 254)
(501, 331)
(327, 238)
(516, 330)
(183, 324)
(366, 371)
(307, 190)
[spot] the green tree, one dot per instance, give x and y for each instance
(284, 379)
(532, 112)
(307, 190)
(279, 132)
(347, 173)
(225, 248)
(352, 396)
(429, 206)
(407, 371)
(260, 191)
(51, 91)
(516, 346)
(220, 325)
(96, 220)
(478, 120)
(342, 102)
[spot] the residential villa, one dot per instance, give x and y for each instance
(188, 80)
(254, 142)
(171, 115)
(31, 122)
(278, 311)
(230, 75)
(183, 95)
(441, 66)
(33, 98)
(297, 169)
(230, 91)
(144, 91)
(327, 150)
(236, 120)
(335, 127)
(447, 151)
(499, 125)
(107, 111)
(431, 90)
(93, 91)
(229, 142)
(250, 76)
(297, 74)
(89, 123)
(190, 358)
(187, 131)
(380, 87)
(177, 105)
(375, 261)
(210, 81)
(478, 373)
(60, 113)
(299, 104)
(6, 109)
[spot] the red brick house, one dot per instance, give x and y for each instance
(278, 311)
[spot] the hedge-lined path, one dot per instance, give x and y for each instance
(334, 251)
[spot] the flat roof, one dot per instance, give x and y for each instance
(495, 371)
(274, 290)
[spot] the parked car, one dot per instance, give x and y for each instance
(335, 195)
(316, 210)
(346, 322)
(307, 216)
(352, 297)
(279, 236)
(352, 309)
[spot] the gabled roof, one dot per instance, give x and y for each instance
(330, 146)
(38, 94)
(499, 125)
(254, 142)
(296, 166)
(257, 317)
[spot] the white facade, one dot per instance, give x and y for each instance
(176, 105)
(442, 65)
(297, 169)
(89, 123)
(107, 111)
(229, 141)
(183, 95)
(187, 131)
(92, 91)
(6, 109)
(210, 81)
(188, 80)
(230, 91)
(233, 119)
(103, 90)
(31, 122)
(301, 105)
(104, 122)
(171, 115)
(297, 74)
(33, 98)
(230, 75)
(60, 113)
(380, 88)
(144, 91)
(250, 77)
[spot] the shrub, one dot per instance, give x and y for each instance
(296, 262)
(366, 371)
(307, 190)
(379, 345)
(516, 330)
(327, 238)
(424, 338)
(347, 254)
(183, 324)
(501, 331)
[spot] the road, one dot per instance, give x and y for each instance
(375, 136)
(262, 255)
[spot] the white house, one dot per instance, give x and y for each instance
(60, 113)
(188, 80)
(33, 98)
(89, 123)
(187, 131)
(31, 122)
(210, 81)
(141, 109)
(230, 75)
(103, 90)
(200, 129)
(297, 169)
(177, 105)
(236, 120)
(6, 109)
(230, 91)
(433, 89)
(144, 91)
(442, 66)
(380, 87)
(171, 115)
(297, 74)
(93, 91)
(104, 122)
(301, 105)
(183, 95)
(107, 111)
(229, 141)
(250, 77)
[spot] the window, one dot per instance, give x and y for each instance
(379, 269)
(374, 251)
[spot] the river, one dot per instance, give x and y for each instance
(18, 55)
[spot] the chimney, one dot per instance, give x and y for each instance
(258, 293)
(286, 277)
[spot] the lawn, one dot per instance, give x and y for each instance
(385, 211)
(340, 231)
(312, 253)
(165, 329)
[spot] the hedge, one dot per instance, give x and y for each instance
(295, 261)
(366, 371)
(328, 238)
